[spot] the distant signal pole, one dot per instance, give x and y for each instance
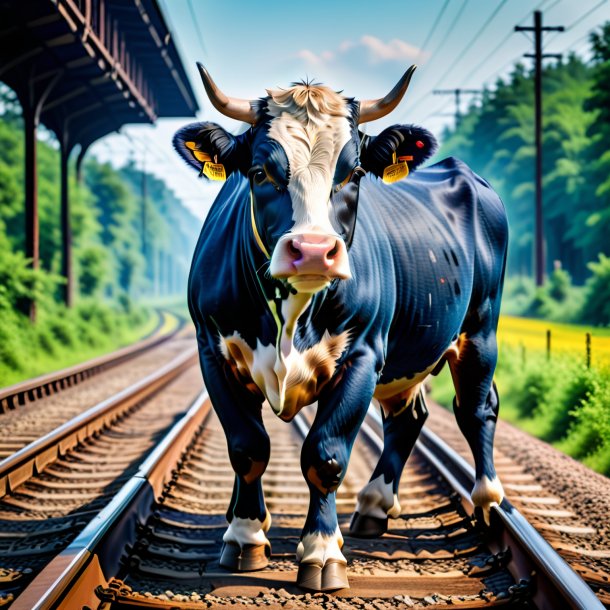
(538, 56)
(457, 93)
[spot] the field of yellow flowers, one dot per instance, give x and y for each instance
(565, 339)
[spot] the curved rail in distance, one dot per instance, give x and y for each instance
(24, 392)
(25, 463)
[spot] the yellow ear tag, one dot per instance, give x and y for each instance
(214, 171)
(396, 171)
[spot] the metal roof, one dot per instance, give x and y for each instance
(92, 65)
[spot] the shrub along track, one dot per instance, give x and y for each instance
(157, 544)
(51, 489)
(42, 404)
(31, 390)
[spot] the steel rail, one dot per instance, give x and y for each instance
(24, 392)
(533, 559)
(69, 581)
(92, 558)
(32, 459)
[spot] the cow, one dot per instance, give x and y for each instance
(324, 274)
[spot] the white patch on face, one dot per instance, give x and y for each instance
(486, 493)
(248, 531)
(311, 125)
(376, 499)
(319, 548)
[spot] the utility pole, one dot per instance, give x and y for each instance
(538, 56)
(457, 93)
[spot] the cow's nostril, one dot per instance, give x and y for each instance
(293, 250)
(332, 253)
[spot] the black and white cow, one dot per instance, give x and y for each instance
(296, 302)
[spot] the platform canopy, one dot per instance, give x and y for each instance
(91, 66)
(85, 68)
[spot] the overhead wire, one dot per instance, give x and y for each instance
(432, 30)
(464, 50)
(196, 26)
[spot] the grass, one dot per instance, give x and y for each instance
(556, 398)
(62, 338)
(566, 339)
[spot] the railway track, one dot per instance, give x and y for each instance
(63, 395)
(157, 543)
(52, 487)
(31, 390)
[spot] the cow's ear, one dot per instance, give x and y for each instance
(395, 145)
(211, 150)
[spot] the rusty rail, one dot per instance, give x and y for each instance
(535, 565)
(92, 557)
(33, 458)
(20, 394)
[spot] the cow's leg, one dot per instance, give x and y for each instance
(476, 404)
(324, 460)
(378, 499)
(246, 546)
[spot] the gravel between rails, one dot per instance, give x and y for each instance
(24, 425)
(571, 507)
(42, 516)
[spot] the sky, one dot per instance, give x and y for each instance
(360, 48)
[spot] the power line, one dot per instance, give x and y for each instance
(464, 50)
(196, 26)
(449, 29)
(578, 21)
(432, 30)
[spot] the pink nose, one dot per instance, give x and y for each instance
(312, 253)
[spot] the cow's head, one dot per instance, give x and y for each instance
(304, 157)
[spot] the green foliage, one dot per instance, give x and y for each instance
(497, 141)
(559, 285)
(557, 300)
(62, 337)
(560, 401)
(93, 270)
(596, 309)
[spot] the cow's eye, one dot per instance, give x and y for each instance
(257, 175)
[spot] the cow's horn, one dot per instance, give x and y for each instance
(232, 107)
(375, 109)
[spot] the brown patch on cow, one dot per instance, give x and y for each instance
(314, 479)
(453, 358)
(395, 405)
(256, 472)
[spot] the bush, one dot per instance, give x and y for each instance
(575, 384)
(559, 285)
(589, 436)
(596, 308)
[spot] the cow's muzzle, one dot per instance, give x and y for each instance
(308, 260)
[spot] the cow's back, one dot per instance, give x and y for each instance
(440, 240)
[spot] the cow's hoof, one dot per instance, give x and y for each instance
(252, 557)
(363, 526)
(330, 577)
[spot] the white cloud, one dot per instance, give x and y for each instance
(375, 49)
(311, 58)
(394, 50)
